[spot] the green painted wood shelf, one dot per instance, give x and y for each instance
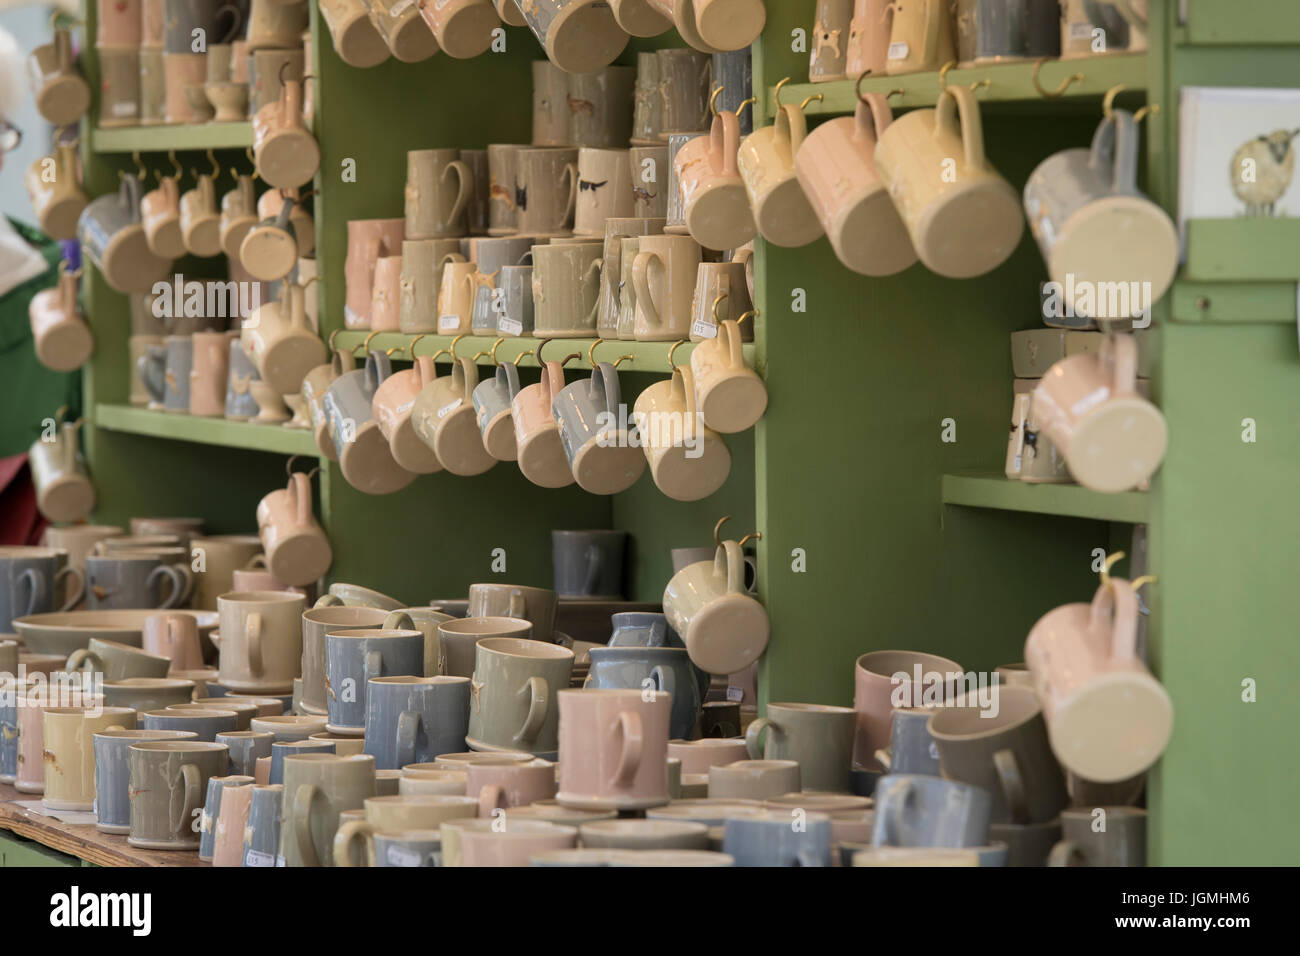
(1241, 23)
(1232, 303)
(128, 139)
(1008, 83)
(646, 356)
(1243, 250)
(206, 431)
(1071, 501)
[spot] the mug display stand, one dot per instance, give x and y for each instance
(876, 482)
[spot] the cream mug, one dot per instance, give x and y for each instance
(1112, 438)
(261, 639)
(392, 407)
(287, 156)
(921, 38)
(724, 628)
(663, 274)
(537, 435)
(714, 202)
(766, 160)
(728, 393)
(604, 189)
(297, 551)
(688, 460)
(160, 212)
(200, 221)
(837, 171)
(443, 418)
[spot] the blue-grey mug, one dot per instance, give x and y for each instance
(205, 724)
(212, 809)
(415, 719)
(916, 810)
(245, 747)
(113, 773)
(292, 748)
(595, 432)
(408, 848)
(662, 670)
(354, 658)
(514, 306)
(588, 564)
(262, 833)
(642, 629)
(115, 582)
(492, 406)
(30, 581)
(911, 748)
(779, 838)
(176, 379)
(152, 369)
(240, 404)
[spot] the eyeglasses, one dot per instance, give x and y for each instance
(10, 136)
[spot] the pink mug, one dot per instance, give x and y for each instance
(228, 847)
(368, 239)
(876, 694)
(509, 783)
(1107, 718)
(613, 749)
(392, 407)
(714, 200)
(175, 636)
(297, 551)
(537, 434)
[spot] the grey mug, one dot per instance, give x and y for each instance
(292, 748)
(246, 746)
(588, 564)
(121, 583)
(916, 810)
(262, 833)
(415, 719)
(354, 658)
(113, 774)
(772, 839)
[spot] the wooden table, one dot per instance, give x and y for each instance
(82, 841)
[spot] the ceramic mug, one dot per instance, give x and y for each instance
(733, 71)
(516, 314)
(443, 417)
(120, 93)
(31, 700)
(501, 188)
(996, 31)
(354, 37)
(269, 247)
(455, 311)
(883, 680)
(550, 104)
(62, 94)
(261, 639)
(921, 37)
(911, 748)
(685, 83)
(245, 747)
(205, 722)
(458, 640)
(56, 195)
(688, 460)
(368, 239)
(134, 582)
(769, 839)
(112, 791)
(220, 556)
(69, 754)
(652, 670)
(600, 110)
(317, 789)
(498, 784)
(1031, 455)
(32, 581)
(746, 780)
(1101, 836)
(400, 25)
(766, 161)
(297, 551)
(579, 36)
(423, 262)
(168, 783)
(640, 18)
(392, 407)
(113, 238)
(211, 810)
(1083, 659)
(827, 62)
(353, 657)
(1094, 226)
(616, 229)
(588, 564)
(663, 274)
(261, 837)
(546, 191)
(721, 292)
(537, 435)
(1088, 405)
(60, 335)
(937, 208)
(604, 189)
(438, 189)
(868, 44)
(724, 628)
(514, 705)
(593, 431)
(839, 177)
(286, 154)
(486, 843)
(915, 810)
(818, 736)
(613, 749)
(492, 399)
(117, 661)
(566, 289)
(715, 205)
(364, 454)
(1007, 753)
(415, 719)
(535, 605)
(728, 393)
(647, 104)
(393, 815)
(463, 28)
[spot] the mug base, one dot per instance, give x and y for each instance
(144, 844)
(255, 687)
(79, 806)
(577, 801)
(113, 827)
(343, 731)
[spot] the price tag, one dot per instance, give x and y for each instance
(449, 408)
(1081, 30)
(400, 7)
(448, 323)
(735, 694)
(510, 326)
(279, 860)
(899, 50)
(125, 109)
(258, 858)
(401, 856)
(704, 329)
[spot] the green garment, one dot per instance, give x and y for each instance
(30, 392)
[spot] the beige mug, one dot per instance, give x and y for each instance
(546, 191)
(297, 551)
(766, 160)
(688, 460)
(513, 701)
(721, 292)
(69, 752)
(368, 239)
(352, 34)
(200, 221)
(725, 629)
(550, 105)
(261, 640)
(318, 787)
(714, 202)
(169, 780)
(57, 197)
(423, 262)
(463, 28)
(648, 166)
(393, 406)
(286, 154)
(604, 189)
(397, 815)
(238, 215)
(60, 334)
(443, 417)
(540, 451)
(728, 393)
(600, 107)
(400, 24)
(566, 289)
(438, 188)
(663, 274)
(579, 36)
(922, 37)
(62, 94)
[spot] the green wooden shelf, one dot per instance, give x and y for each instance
(1241, 23)
(206, 431)
(128, 139)
(1008, 83)
(1243, 250)
(1071, 501)
(1231, 303)
(646, 356)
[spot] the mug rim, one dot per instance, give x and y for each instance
(198, 712)
(260, 597)
(172, 746)
(511, 647)
(996, 725)
(143, 735)
(461, 626)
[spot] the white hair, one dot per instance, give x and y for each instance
(11, 75)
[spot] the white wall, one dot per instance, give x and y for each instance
(30, 25)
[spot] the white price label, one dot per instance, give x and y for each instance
(401, 856)
(258, 858)
(125, 109)
(899, 50)
(1081, 30)
(279, 861)
(735, 694)
(450, 407)
(704, 328)
(448, 323)
(510, 326)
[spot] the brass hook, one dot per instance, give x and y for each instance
(1108, 101)
(857, 87)
(717, 302)
(176, 165)
(808, 99)
(310, 280)
(752, 536)
(747, 101)
(288, 465)
(333, 336)
(980, 83)
(1151, 110)
(452, 347)
(943, 75)
(248, 151)
(479, 355)
(717, 528)
(140, 171)
(284, 66)
(751, 314)
(410, 349)
(520, 357)
(569, 358)
(776, 91)
(58, 416)
(621, 359)
(1107, 565)
(1139, 583)
(672, 365)
(365, 346)
(538, 353)
(216, 167)
(713, 100)
(496, 345)
(395, 348)
(1060, 90)
(591, 352)
(896, 91)
(435, 355)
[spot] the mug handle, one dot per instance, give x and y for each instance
(641, 282)
(571, 170)
(1013, 784)
(604, 374)
(87, 657)
(884, 758)
(302, 802)
(253, 635)
(753, 732)
(955, 102)
(808, 857)
(735, 565)
(538, 692)
(398, 621)
(1119, 357)
(792, 127)
(724, 141)
(629, 760)
(378, 368)
(427, 370)
(490, 798)
(665, 680)
(464, 190)
(552, 385)
(729, 329)
(468, 370)
(328, 600)
(511, 372)
(177, 593)
(188, 576)
(349, 832)
(1118, 599)
(35, 589)
(896, 809)
(1066, 853)
(193, 797)
(1115, 151)
(593, 276)
(517, 606)
(692, 424)
(594, 565)
(408, 728)
(237, 21)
